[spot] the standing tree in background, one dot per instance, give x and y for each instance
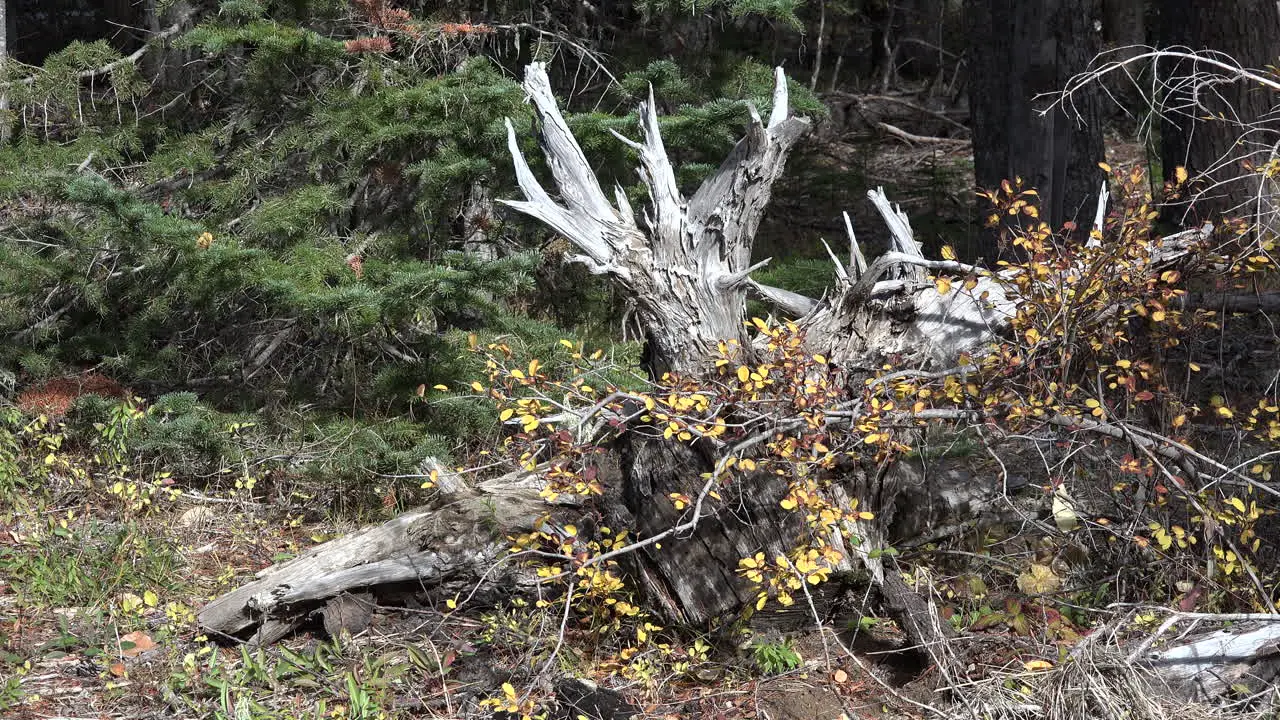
(1212, 125)
(4, 56)
(1019, 51)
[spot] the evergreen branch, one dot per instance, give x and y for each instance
(129, 59)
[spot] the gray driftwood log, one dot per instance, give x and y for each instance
(1243, 660)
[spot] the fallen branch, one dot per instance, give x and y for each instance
(423, 547)
(918, 108)
(913, 139)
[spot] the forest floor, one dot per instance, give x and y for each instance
(97, 608)
(97, 620)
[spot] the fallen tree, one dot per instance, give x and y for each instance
(680, 475)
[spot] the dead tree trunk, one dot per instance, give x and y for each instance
(687, 265)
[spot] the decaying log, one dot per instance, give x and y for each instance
(453, 543)
(687, 266)
(689, 275)
(1242, 660)
(1263, 302)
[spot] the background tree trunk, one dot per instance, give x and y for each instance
(1020, 50)
(5, 127)
(1124, 35)
(1248, 32)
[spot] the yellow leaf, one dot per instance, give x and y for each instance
(1033, 336)
(505, 415)
(477, 387)
(1180, 174)
(948, 252)
(1236, 503)
(788, 503)
(944, 285)
(517, 374)
(1035, 665)
(820, 359)
(744, 374)
(1038, 580)
(509, 691)
(1225, 412)
(1105, 167)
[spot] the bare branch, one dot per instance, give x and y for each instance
(913, 139)
(857, 262)
(789, 302)
(733, 280)
(842, 275)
